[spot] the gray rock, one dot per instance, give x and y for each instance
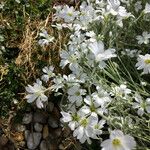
(53, 122)
(26, 134)
(33, 140)
(45, 132)
(20, 127)
(40, 117)
(57, 132)
(43, 145)
(50, 107)
(38, 127)
(27, 118)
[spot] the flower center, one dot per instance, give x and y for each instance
(70, 14)
(116, 142)
(84, 122)
(75, 117)
(77, 93)
(147, 61)
(38, 93)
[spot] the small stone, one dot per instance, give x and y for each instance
(53, 122)
(3, 140)
(22, 143)
(26, 134)
(57, 132)
(38, 127)
(43, 145)
(27, 118)
(50, 106)
(56, 112)
(20, 127)
(61, 147)
(33, 140)
(45, 132)
(40, 117)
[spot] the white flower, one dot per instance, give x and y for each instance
(36, 92)
(141, 105)
(115, 9)
(144, 63)
(58, 83)
(114, 4)
(48, 73)
(71, 80)
(69, 57)
(97, 48)
(96, 127)
(131, 53)
(68, 13)
(95, 104)
(87, 15)
(101, 97)
(138, 6)
(75, 94)
(144, 38)
(121, 91)
(72, 118)
(46, 39)
(83, 132)
(118, 141)
(147, 8)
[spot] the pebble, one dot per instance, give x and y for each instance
(22, 143)
(26, 134)
(43, 145)
(61, 147)
(56, 112)
(53, 122)
(40, 117)
(27, 118)
(57, 132)
(50, 106)
(33, 140)
(20, 127)
(45, 132)
(38, 127)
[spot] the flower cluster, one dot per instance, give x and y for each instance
(104, 86)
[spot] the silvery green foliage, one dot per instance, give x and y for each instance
(97, 92)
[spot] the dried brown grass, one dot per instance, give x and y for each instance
(29, 54)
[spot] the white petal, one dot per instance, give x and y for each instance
(140, 111)
(39, 103)
(116, 133)
(31, 98)
(129, 142)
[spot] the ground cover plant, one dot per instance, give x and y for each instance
(94, 54)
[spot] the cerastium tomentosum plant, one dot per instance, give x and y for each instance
(105, 90)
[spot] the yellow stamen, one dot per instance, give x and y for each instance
(147, 61)
(70, 14)
(116, 142)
